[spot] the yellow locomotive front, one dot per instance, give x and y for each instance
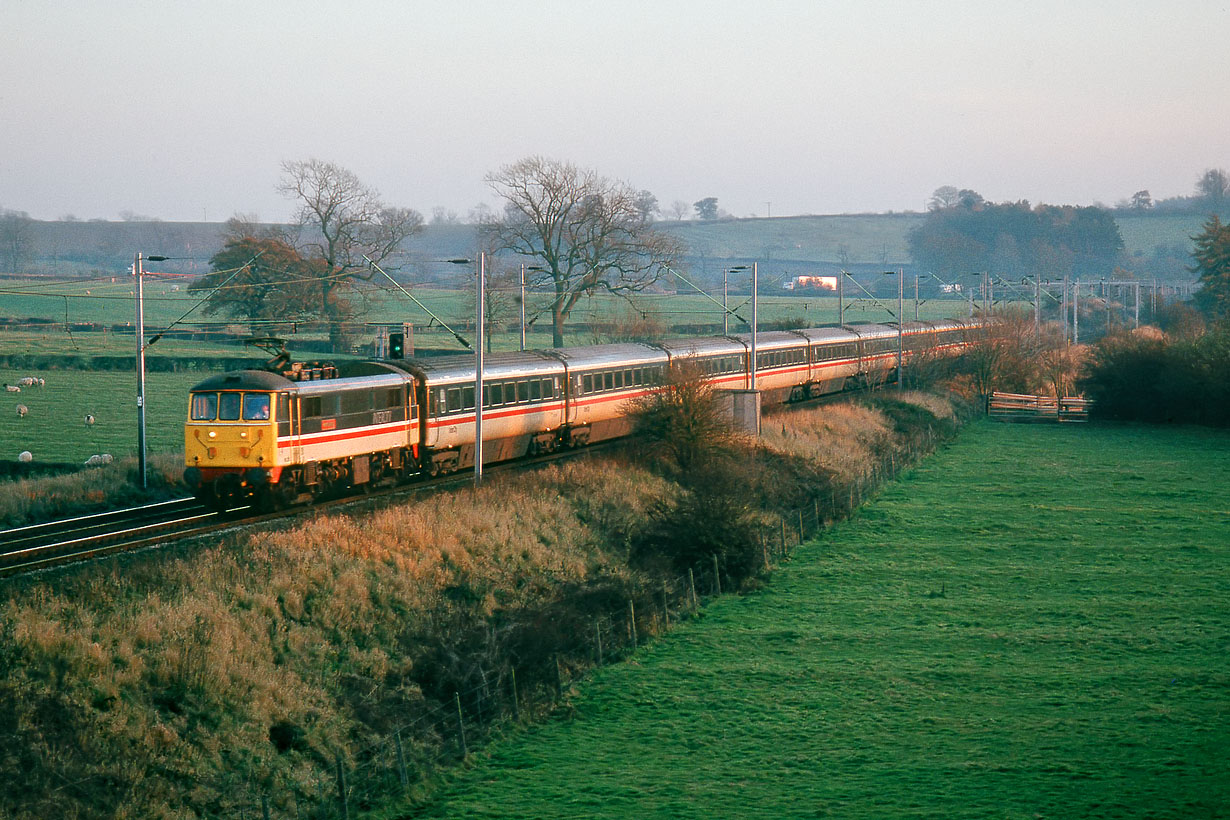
(231, 435)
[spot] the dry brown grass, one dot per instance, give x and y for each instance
(844, 439)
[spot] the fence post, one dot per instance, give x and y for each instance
(717, 576)
(461, 729)
(559, 678)
(512, 671)
(598, 640)
(764, 552)
(666, 609)
(265, 807)
(401, 762)
(816, 505)
(800, 526)
(341, 787)
(783, 536)
(632, 622)
(692, 588)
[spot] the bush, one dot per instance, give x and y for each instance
(1145, 377)
(713, 515)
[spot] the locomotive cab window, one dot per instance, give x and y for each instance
(256, 406)
(204, 406)
(228, 406)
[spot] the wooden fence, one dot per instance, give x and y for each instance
(1020, 407)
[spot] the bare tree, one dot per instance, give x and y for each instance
(647, 205)
(679, 210)
(16, 239)
(1214, 186)
(583, 231)
(341, 220)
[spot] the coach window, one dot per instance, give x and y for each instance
(204, 406)
(228, 407)
(523, 391)
(454, 399)
(467, 397)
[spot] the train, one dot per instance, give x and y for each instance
(276, 437)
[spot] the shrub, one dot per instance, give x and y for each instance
(1146, 377)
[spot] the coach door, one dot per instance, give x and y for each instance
(288, 425)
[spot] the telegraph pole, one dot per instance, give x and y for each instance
(481, 282)
(522, 307)
(137, 269)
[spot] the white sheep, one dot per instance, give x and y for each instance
(12, 388)
(25, 457)
(22, 410)
(97, 460)
(42, 382)
(27, 381)
(89, 418)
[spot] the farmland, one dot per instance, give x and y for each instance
(54, 430)
(1032, 624)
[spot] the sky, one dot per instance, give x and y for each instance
(185, 110)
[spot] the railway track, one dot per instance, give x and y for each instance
(39, 546)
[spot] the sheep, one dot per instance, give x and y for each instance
(22, 410)
(89, 418)
(25, 457)
(28, 381)
(12, 388)
(97, 460)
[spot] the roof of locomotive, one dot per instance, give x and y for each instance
(245, 380)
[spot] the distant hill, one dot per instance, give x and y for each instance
(785, 246)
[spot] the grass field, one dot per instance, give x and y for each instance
(54, 430)
(1033, 624)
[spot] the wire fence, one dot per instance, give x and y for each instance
(442, 732)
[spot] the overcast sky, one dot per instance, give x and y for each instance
(185, 110)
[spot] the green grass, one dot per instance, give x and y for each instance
(54, 430)
(1033, 624)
